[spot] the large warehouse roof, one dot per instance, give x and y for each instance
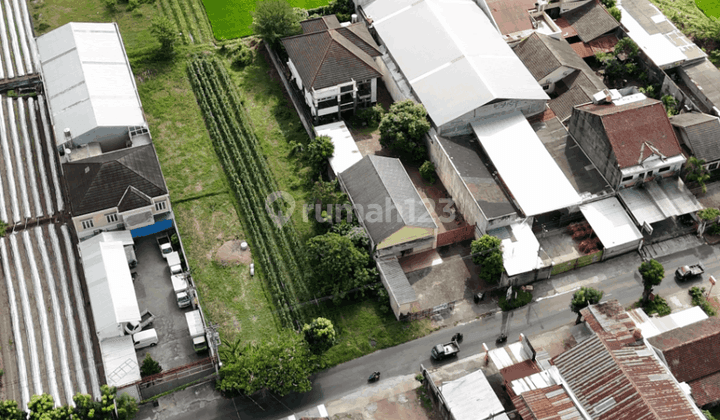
(88, 79)
(453, 57)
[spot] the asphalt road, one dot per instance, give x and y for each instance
(618, 278)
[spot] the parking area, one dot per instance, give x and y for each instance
(155, 292)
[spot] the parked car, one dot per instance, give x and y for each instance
(146, 320)
(147, 338)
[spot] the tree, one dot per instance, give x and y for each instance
(40, 407)
(402, 129)
(427, 171)
(165, 31)
(697, 172)
(625, 46)
(337, 265)
(86, 407)
(127, 407)
(273, 20)
(652, 273)
(10, 410)
(319, 151)
(582, 298)
(708, 415)
(487, 252)
(709, 214)
(320, 335)
(107, 400)
(149, 366)
(616, 13)
(280, 366)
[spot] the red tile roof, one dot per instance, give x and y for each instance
(603, 44)
(511, 15)
(706, 390)
(551, 403)
(691, 352)
(635, 130)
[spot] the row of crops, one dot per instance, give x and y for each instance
(189, 16)
(277, 250)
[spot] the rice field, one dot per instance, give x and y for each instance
(232, 18)
(711, 8)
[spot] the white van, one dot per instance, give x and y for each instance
(147, 338)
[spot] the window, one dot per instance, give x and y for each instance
(713, 166)
(160, 206)
(87, 224)
(627, 178)
(112, 218)
(348, 88)
(665, 169)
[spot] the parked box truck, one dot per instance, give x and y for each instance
(180, 287)
(173, 260)
(197, 330)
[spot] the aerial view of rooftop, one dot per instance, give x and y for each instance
(359, 209)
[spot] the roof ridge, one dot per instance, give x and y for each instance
(327, 49)
(133, 152)
(355, 53)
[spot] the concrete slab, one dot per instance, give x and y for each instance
(154, 292)
(671, 246)
(559, 247)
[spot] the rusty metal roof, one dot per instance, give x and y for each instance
(511, 15)
(551, 403)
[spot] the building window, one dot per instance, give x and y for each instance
(665, 169)
(713, 166)
(112, 218)
(87, 224)
(348, 88)
(627, 178)
(160, 206)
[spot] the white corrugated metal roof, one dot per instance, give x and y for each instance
(88, 79)
(122, 236)
(451, 54)
(660, 200)
(112, 293)
(520, 249)
(610, 222)
(346, 152)
(471, 397)
(530, 173)
(120, 361)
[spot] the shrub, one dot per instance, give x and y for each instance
(166, 33)
(150, 366)
(320, 335)
(656, 306)
(709, 214)
(110, 5)
(133, 4)
(243, 56)
(616, 13)
(523, 298)
(402, 129)
(427, 170)
(699, 299)
(371, 116)
(609, 3)
(714, 229)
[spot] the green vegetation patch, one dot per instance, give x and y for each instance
(232, 18)
(709, 7)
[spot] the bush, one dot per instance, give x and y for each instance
(133, 4)
(371, 116)
(427, 171)
(243, 57)
(149, 366)
(110, 5)
(714, 229)
(656, 306)
(698, 299)
(609, 3)
(3, 228)
(616, 13)
(523, 298)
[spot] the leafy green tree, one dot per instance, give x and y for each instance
(696, 172)
(625, 46)
(337, 265)
(652, 273)
(402, 129)
(487, 252)
(427, 171)
(709, 214)
(670, 104)
(582, 298)
(320, 335)
(10, 410)
(127, 407)
(149, 366)
(281, 366)
(41, 407)
(166, 33)
(319, 150)
(273, 20)
(107, 400)
(616, 13)
(86, 407)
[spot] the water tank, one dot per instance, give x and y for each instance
(354, 18)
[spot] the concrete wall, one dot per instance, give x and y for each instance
(390, 83)
(417, 245)
(621, 249)
(461, 125)
(585, 129)
(670, 88)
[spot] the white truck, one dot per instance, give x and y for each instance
(173, 260)
(197, 330)
(163, 241)
(180, 287)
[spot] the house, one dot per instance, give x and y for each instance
(124, 189)
(701, 134)
(690, 353)
(631, 142)
(588, 22)
(388, 206)
(663, 43)
(558, 69)
(334, 66)
(90, 87)
(434, 57)
(702, 79)
(469, 397)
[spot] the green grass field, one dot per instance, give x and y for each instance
(232, 18)
(709, 7)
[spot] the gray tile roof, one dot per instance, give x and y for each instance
(707, 78)
(591, 21)
(701, 132)
(378, 182)
(580, 90)
(111, 179)
(334, 56)
(397, 284)
(320, 24)
(542, 55)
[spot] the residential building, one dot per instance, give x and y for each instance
(588, 22)
(559, 70)
(434, 57)
(700, 133)
(703, 81)
(90, 87)
(334, 66)
(690, 353)
(516, 19)
(124, 189)
(388, 206)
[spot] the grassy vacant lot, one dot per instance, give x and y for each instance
(231, 18)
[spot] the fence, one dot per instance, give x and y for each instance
(577, 263)
(412, 316)
(456, 235)
(173, 378)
